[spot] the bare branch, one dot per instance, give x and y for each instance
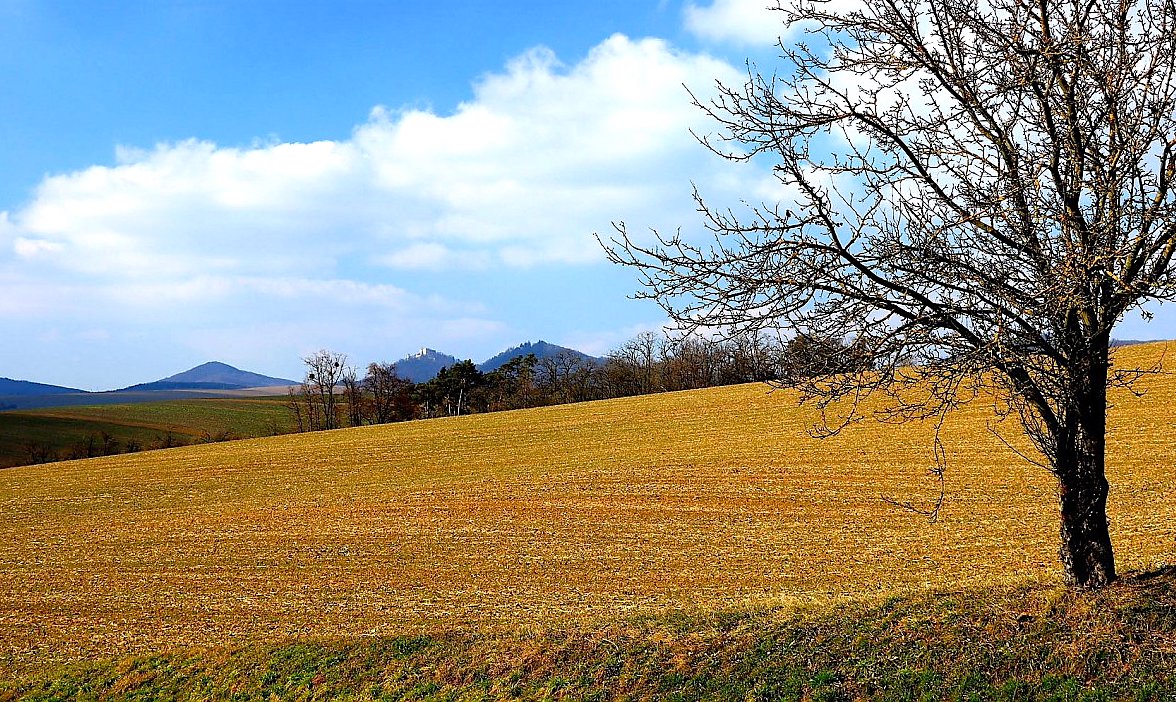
(982, 189)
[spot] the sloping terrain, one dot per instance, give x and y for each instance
(541, 350)
(423, 365)
(212, 379)
(213, 375)
(567, 516)
(60, 431)
(18, 388)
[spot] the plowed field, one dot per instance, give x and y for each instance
(703, 500)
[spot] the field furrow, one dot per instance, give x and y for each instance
(707, 500)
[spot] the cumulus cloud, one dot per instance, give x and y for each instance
(31, 248)
(750, 22)
(542, 155)
(435, 257)
(187, 208)
(8, 230)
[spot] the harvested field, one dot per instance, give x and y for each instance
(698, 501)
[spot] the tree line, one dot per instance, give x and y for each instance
(102, 443)
(333, 394)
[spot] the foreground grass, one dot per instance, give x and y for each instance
(1030, 642)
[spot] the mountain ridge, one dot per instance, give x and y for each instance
(423, 365)
(541, 349)
(27, 388)
(212, 375)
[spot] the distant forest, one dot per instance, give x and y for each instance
(334, 395)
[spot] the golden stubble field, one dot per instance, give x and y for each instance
(706, 500)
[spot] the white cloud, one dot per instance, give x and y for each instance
(544, 154)
(434, 257)
(27, 297)
(8, 230)
(205, 290)
(522, 174)
(602, 342)
(31, 248)
(464, 328)
(739, 21)
(185, 209)
(753, 22)
(357, 240)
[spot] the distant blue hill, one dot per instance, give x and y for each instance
(25, 388)
(541, 349)
(194, 383)
(423, 365)
(213, 375)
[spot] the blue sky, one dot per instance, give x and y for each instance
(184, 181)
(81, 77)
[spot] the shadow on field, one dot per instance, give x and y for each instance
(1035, 641)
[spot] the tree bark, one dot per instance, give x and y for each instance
(1087, 556)
(1086, 552)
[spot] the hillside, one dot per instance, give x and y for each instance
(423, 365)
(568, 518)
(20, 388)
(38, 435)
(541, 350)
(213, 379)
(213, 375)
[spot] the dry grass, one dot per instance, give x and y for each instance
(698, 501)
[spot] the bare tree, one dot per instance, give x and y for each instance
(325, 370)
(640, 355)
(515, 384)
(391, 395)
(295, 404)
(353, 393)
(39, 452)
(979, 190)
(749, 357)
(555, 375)
(587, 382)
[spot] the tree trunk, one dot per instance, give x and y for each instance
(1086, 552)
